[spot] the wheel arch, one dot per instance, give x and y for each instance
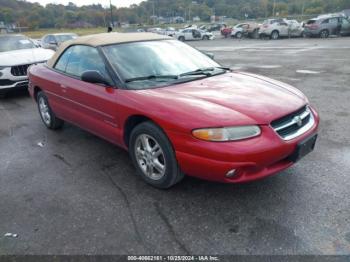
(36, 90)
(130, 123)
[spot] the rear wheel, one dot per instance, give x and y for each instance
(182, 38)
(2, 95)
(153, 156)
(47, 115)
(205, 37)
(324, 34)
(275, 35)
(239, 35)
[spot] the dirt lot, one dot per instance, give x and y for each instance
(69, 192)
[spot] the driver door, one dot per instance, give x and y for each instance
(188, 34)
(345, 26)
(92, 106)
(283, 28)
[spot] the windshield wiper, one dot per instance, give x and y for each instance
(204, 71)
(151, 77)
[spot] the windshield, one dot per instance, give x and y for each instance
(63, 38)
(10, 43)
(168, 58)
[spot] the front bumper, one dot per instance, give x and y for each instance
(309, 32)
(264, 33)
(252, 159)
(9, 81)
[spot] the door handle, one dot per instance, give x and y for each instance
(63, 86)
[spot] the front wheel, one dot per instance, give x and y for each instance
(47, 115)
(182, 38)
(153, 156)
(239, 35)
(324, 34)
(207, 37)
(275, 35)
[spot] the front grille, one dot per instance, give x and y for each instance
(294, 124)
(20, 70)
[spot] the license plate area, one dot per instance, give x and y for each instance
(303, 148)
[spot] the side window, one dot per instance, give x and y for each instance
(345, 21)
(333, 21)
(51, 39)
(61, 64)
(325, 21)
(85, 58)
(46, 39)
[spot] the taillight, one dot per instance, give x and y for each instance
(312, 26)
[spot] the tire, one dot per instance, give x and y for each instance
(324, 33)
(2, 95)
(207, 37)
(182, 38)
(148, 135)
(47, 115)
(275, 35)
(239, 35)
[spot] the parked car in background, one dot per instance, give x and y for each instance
(174, 109)
(213, 27)
(296, 29)
(248, 29)
(37, 42)
(156, 30)
(169, 31)
(190, 34)
(324, 26)
(238, 30)
(53, 41)
(276, 28)
(17, 53)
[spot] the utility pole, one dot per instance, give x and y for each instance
(110, 5)
(302, 9)
(274, 6)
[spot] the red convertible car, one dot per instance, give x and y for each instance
(174, 109)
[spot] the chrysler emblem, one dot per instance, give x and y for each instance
(298, 120)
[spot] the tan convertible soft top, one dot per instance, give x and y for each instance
(105, 39)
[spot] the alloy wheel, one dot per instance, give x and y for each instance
(324, 34)
(150, 157)
(274, 35)
(44, 111)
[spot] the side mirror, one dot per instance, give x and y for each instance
(93, 77)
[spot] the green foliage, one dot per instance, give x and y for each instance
(59, 16)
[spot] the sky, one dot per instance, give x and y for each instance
(118, 3)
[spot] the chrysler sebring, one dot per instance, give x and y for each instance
(174, 109)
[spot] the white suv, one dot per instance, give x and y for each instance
(17, 53)
(276, 28)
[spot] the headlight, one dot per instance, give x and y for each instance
(226, 133)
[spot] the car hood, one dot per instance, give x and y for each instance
(25, 56)
(229, 99)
